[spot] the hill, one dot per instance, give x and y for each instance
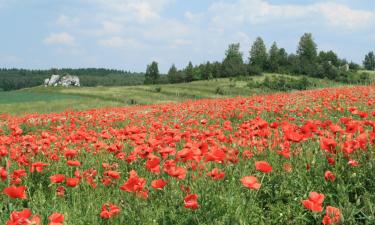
(55, 99)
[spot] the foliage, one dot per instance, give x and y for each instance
(13, 79)
(258, 54)
(369, 62)
(152, 73)
(233, 63)
(281, 83)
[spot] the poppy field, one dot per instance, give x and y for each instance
(286, 158)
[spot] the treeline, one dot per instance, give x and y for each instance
(13, 79)
(305, 61)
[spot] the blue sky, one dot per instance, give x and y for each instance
(129, 34)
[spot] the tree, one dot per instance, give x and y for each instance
(233, 63)
(173, 75)
(369, 62)
(152, 73)
(274, 58)
(258, 54)
(329, 57)
(189, 72)
(307, 54)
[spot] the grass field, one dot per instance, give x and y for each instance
(56, 99)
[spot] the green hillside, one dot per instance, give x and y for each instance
(55, 99)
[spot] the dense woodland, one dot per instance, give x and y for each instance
(13, 79)
(305, 61)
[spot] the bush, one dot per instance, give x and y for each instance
(219, 91)
(254, 71)
(284, 83)
(158, 89)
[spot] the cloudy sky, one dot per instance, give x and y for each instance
(129, 34)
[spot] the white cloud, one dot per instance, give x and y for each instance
(142, 11)
(262, 12)
(342, 15)
(62, 38)
(120, 42)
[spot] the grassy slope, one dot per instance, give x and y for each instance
(45, 100)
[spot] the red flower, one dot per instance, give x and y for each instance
(57, 178)
(329, 176)
(38, 166)
(60, 191)
(56, 219)
(315, 201)
(109, 210)
(158, 184)
(216, 174)
(112, 174)
(15, 192)
(332, 216)
(72, 182)
(73, 163)
(3, 173)
(328, 144)
(191, 202)
(23, 218)
(250, 182)
(263, 166)
(136, 185)
(353, 163)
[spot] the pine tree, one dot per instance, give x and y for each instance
(369, 62)
(274, 58)
(189, 72)
(233, 62)
(152, 73)
(258, 54)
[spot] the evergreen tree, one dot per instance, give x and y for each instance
(233, 62)
(173, 75)
(152, 73)
(274, 58)
(369, 62)
(307, 54)
(258, 54)
(189, 72)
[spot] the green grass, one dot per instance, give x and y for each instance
(56, 99)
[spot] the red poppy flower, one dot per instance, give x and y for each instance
(191, 201)
(38, 167)
(73, 163)
(315, 201)
(158, 184)
(23, 218)
(109, 210)
(216, 174)
(56, 219)
(329, 176)
(60, 191)
(250, 182)
(72, 182)
(15, 192)
(112, 174)
(263, 166)
(332, 216)
(57, 178)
